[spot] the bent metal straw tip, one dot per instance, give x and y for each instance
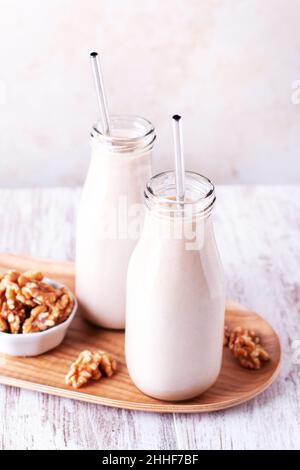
(93, 54)
(176, 117)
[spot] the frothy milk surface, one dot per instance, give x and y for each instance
(107, 214)
(175, 310)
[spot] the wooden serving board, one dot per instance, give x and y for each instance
(45, 373)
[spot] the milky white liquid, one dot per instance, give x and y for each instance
(103, 248)
(175, 313)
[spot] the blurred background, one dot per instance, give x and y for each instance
(230, 67)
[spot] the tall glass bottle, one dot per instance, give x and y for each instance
(110, 217)
(175, 293)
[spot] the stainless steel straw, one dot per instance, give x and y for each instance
(100, 91)
(179, 158)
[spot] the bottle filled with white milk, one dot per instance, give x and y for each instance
(110, 217)
(175, 292)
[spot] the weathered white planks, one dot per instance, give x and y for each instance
(258, 231)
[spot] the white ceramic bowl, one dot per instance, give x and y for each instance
(34, 344)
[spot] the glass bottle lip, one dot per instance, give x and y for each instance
(160, 194)
(128, 133)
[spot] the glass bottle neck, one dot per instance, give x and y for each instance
(129, 135)
(160, 196)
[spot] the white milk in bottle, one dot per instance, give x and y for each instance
(110, 217)
(175, 293)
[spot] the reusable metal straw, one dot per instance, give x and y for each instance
(101, 95)
(179, 158)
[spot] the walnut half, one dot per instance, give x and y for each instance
(246, 346)
(90, 366)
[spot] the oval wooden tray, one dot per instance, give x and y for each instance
(45, 373)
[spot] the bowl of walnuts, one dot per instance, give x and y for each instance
(35, 313)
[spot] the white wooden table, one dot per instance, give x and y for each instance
(258, 231)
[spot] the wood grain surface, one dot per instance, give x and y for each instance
(257, 230)
(45, 373)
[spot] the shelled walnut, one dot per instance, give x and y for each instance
(14, 314)
(246, 346)
(4, 326)
(90, 366)
(29, 305)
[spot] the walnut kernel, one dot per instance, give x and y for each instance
(90, 366)
(246, 346)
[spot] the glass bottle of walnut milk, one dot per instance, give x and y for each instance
(110, 217)
(175, 293)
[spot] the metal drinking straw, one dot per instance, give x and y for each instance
(100, 91)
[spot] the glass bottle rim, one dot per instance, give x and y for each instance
(164, 198)
(129, 133)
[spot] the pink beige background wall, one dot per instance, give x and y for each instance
(228, 66)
